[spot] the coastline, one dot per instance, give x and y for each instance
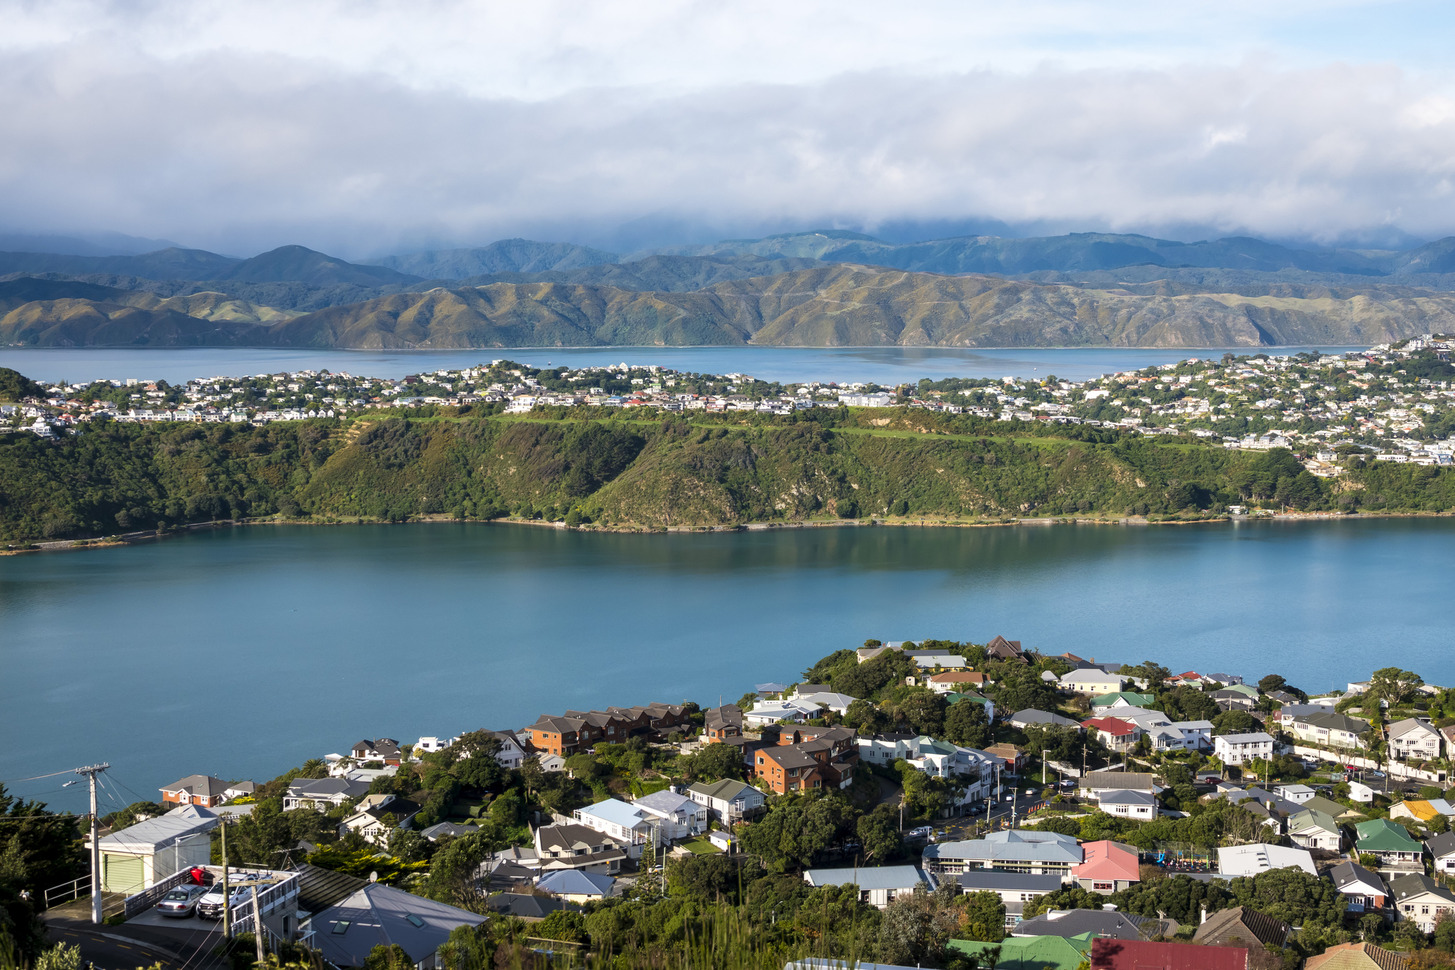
(135, 538)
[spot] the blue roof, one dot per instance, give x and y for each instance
(615, 811)
(573, 882)
(868, 877)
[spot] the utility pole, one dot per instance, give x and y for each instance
(91, 771)
(258, 926)
(226, 895)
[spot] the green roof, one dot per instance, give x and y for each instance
(1249, 692)
(1032, 952)
(1382, 835)
(1135, 700)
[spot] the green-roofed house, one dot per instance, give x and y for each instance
(1028, 952)
(1121, 698)
(1390, 843)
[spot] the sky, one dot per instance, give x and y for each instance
(375, 126)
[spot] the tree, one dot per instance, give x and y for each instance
(1271, 683)
(866, 717)
(982, 917)
(713, 762)
(1235, 722)
(966, 724)
(915, 928)
(879, 833)
(1393, 685)
(924, 710)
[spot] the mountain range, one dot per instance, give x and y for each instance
(829, 288)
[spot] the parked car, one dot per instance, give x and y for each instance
(209, 906)
(181, 901)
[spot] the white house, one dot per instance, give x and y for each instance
(682, 818)
(1414, 739)
(627, 824)
(1239, 749)
(1313, 829)
(771, 712)
(380, 816)
(1129, 804)
(1336, 730)
(827, 699)
(728, 801)
(1442, 848)
(878, 885)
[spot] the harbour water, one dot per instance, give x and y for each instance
(882, 365)
(243, 652)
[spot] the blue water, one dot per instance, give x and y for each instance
(882, 365)
(241, 653)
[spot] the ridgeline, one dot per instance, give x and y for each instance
(655, 471)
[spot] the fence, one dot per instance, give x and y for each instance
(67, 891)
(149, 897)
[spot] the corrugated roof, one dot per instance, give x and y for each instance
(380, 915)
(867, 877)
(162, 830)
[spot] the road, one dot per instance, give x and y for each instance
(972, 826)
(126, 948)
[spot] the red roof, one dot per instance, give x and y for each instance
(1142, 955)
(1106, 861)
(1114, 726)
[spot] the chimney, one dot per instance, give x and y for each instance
(1204, 915)
(1109, 907)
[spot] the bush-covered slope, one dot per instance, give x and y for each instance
(650, 472)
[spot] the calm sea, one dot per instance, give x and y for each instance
(882, 365)
(241, 653)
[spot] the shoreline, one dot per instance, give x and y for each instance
(136, 538)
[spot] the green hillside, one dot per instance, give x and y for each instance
(654, 471)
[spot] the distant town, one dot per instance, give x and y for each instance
(1393, 402)
(962, 805)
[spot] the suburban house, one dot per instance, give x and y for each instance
(986, 703)
(1328, 728)
(1239, 749)
(143, 854)
(1092, 681)
(1241, 926)
(1390, 843)
(322, 794)
(430, 745)
(1298, 794)
(204, 790)
(1421, 810)
(955, 680)
(1143, 954)
(1358, 956)
(827, 700)
(941, 759)
(1015, 889)
(729, 801)
(721, 723)
(682, 818)
(1414, 739)
(1002, 649)
(579, 730)
(1365, 889)
(1313, 829)
(1094, 923)
(558, 735)
(799, 759)
(1030, 717)
(384, 749)
(572, 846)
(627, 824)
(1238, 697)
(1096, 784)
(1165, 734)
(512, 752)
(1116, 734)
(1420, 899)
(1442, 850)
(1106, 703)
(1107, 867)
(878, 885)
(1249, 860)
(576, 886)
(1058, 952)
(380, 915)
(1016, 850)
(1129, 804)
(379, 816)
(239, 789)
(771, 712)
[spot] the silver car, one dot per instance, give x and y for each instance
(181, 901)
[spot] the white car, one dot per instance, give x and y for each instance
(210, 905)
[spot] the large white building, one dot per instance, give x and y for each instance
(1239, 749)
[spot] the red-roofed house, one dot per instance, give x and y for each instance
(1116, 734)
(955, 680)
(1107, 867)
(1110, 954)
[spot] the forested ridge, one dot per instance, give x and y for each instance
(644, 470)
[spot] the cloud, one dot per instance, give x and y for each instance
(241, 147)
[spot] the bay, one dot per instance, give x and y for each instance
(882, 365)
(243, 652)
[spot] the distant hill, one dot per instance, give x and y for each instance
(165, 264)
(298, 263)
(1069, 253)
(505, 256)
(669, 274)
